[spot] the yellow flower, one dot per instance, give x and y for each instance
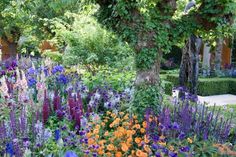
(110, 147)
(190, 140)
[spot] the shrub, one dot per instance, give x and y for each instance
(210, 86)
(88, 43)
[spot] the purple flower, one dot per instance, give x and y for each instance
(57, 134)
(158, 154)
(175, 126)
(62, 79)
(181, 136)
(172, 154)
(57, 68)
(31, 81)
(185, 149)
(9, 149)
(70, 154)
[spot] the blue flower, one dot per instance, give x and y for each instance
(57, 134)
(31, 71)
(62, 79)
(175, 126)
(9, 149)
(158, 154)
(172, 154)
(70, 154)
(57, 68)
(181, 136)
(31, 81)
(185, 149)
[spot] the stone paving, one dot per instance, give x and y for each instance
(219, 100)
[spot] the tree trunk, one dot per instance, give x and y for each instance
(189, 68)
(206, 60)
(9, 49)
(218, 54)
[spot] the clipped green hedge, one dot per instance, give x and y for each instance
(210, 86)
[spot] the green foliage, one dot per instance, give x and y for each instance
(207, 86)
(118, 80)
(29, 46)
(53, 55)
(168, 86)
(89, 43)
(146, 96)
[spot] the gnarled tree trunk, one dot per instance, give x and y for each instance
(189, 68)
(9, 49)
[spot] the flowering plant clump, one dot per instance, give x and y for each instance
(48, 111)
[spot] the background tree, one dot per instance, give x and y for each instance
(152, 27)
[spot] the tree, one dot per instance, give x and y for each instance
(152, 27)
(13, 20)
(31, 18)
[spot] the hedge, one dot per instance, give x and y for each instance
(210, 86)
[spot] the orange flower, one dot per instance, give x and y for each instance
(137, 140)
(102, 142)
(89, 134)
(108, 154)
(95, 131)
(106, 133)
(118, 154)
(124, 147)
(110, 147)
(100, 152)
(146, 140)
(171, 148)
(133, 132)
(90, 141)
(189, 140)
(142, 130)
(144, 124)
(97, 136)
(129, 133)
(139, 153)
(147, 148)
(137, 126)
(103, 124)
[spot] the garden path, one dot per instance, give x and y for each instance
(219, 100)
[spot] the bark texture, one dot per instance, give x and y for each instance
(9, 49)
(189, 68)
(218, 54)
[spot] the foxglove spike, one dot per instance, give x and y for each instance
(46, 110)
